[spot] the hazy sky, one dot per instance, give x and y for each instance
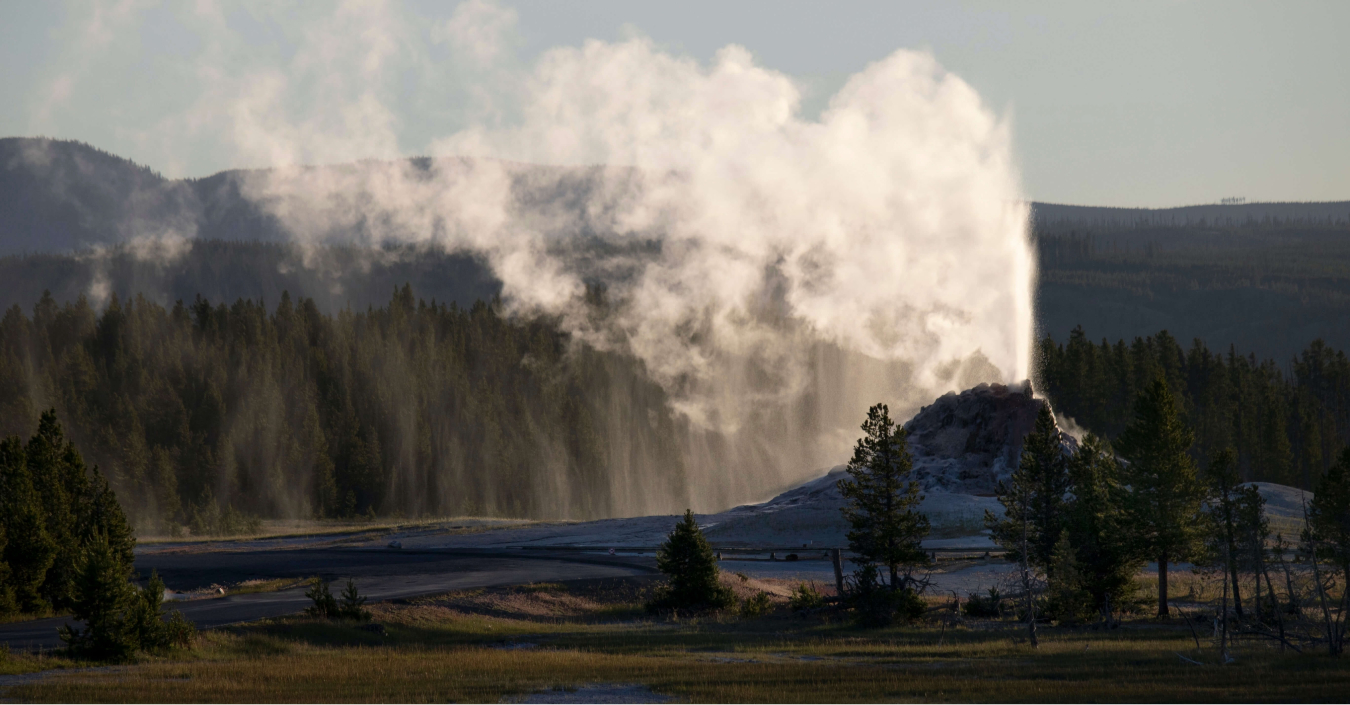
(1130, 104)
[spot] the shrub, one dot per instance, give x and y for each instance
(180, 630)
(324, 603)
(688, 560)
(353, 603)
(147, 621)
(1067, 601)
(875, 604)
(756, 606)
(805, 597)
(984, 607)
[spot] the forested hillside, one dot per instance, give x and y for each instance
(1269, 285)
(205, 413)
(1268, 277)
(1287, 424)
(220, 270)
(334, 401)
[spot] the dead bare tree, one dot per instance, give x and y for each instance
(1223, 617)
(1332, 628)
(1026, 585)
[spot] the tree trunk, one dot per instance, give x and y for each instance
(1257, 574)
(1279, 613)
(838, 572)
(1223, 636)
(1162, 586)
(1332, 645)
(1231, 552)
(1233, 575)
(895, 579)
(1026, 586)
(1289, 588)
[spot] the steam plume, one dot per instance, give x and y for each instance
(776, 274)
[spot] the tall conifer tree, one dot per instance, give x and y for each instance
(688, 560)
(1097, 525)
(1165, 491)
(1225, 495)
(1034, 495)
(1329, 516)
(883, 500)
(29, 550)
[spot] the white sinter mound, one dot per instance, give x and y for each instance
(962, 445)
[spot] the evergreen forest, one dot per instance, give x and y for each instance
(1287, 423)
(207, 416)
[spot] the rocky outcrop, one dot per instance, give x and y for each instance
(965, 443)
(962, 446)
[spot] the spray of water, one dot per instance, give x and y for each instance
(776, 274)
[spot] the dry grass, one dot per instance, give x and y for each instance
(484, 645)
(29, 616)
(249, 587)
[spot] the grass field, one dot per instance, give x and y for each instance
(486, 645)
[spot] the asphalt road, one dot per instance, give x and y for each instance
(380, 574)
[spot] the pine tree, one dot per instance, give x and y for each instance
(1067, 598)
(7, 604)
(1253, 532)
(102, 515)
(324, 604)
(1329, 516)
(62, 493)
(1165, 492)
(687, 559)
(1097, 526)
(105, 601)
(882, 500)
(29, 550)
(1224, 495)
(353, 603)
(1033, 498)
(145, 620)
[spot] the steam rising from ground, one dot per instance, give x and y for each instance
(776, 274)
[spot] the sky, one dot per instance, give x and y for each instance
(1150, 104)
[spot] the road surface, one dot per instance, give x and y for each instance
(380, 574)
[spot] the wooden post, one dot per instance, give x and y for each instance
(838, 571)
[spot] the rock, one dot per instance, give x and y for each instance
(966, 443)
(396, 544)
(962, 446)
(373, 628)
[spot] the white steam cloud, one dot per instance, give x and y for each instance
(757, 261)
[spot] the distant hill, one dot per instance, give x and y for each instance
(59, 196)
(226, 271)
(1304, 213)
(1266, 277)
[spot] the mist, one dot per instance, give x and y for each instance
(774, 274)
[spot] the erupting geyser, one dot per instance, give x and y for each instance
(775, 273)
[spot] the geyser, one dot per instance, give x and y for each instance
(775, 273)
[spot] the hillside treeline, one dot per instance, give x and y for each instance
(1286, 426)
(204, 415)
(336, 277)
(1270, 284)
